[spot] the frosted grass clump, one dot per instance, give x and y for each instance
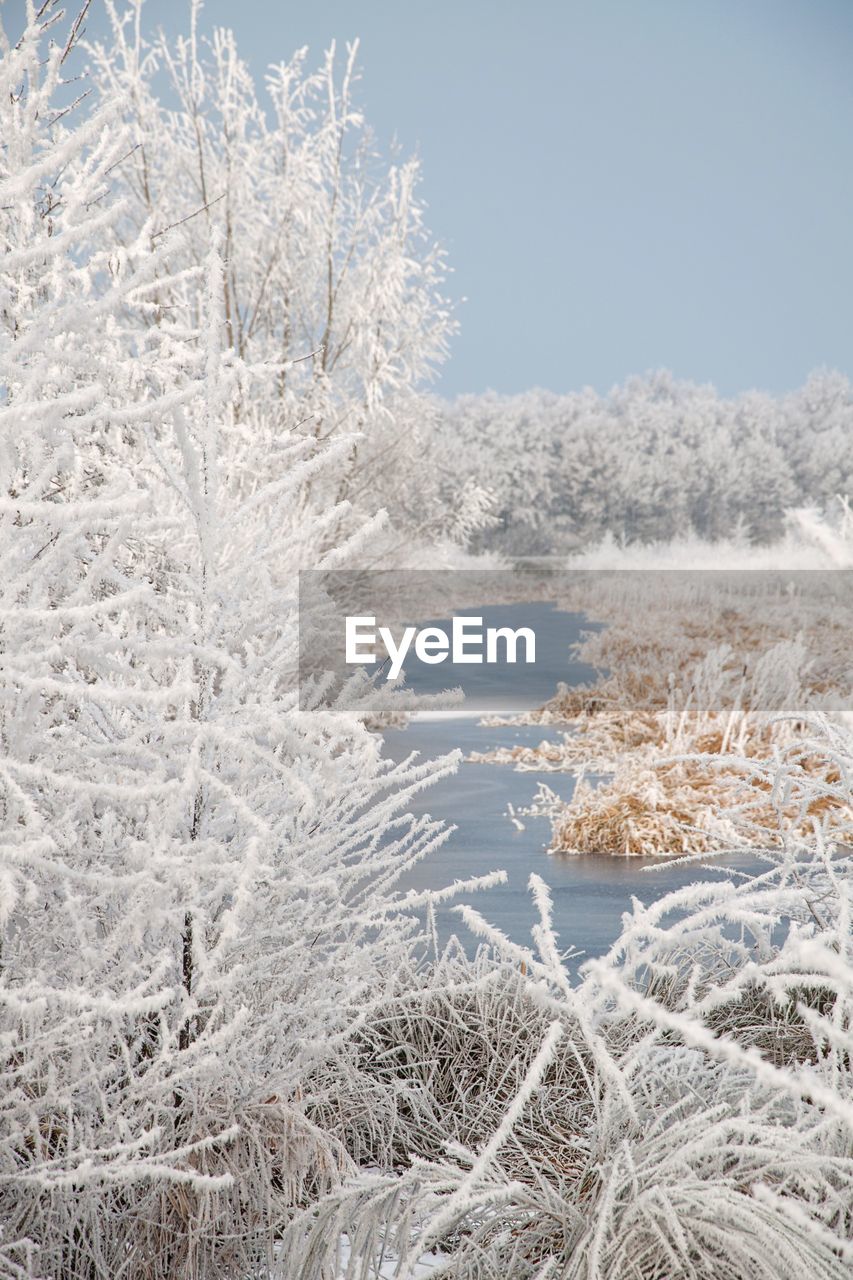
(685, 1109)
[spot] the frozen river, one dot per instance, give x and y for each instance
(590, 893)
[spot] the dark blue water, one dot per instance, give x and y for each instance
(590, 893)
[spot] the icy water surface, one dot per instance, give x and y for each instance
(590, 893)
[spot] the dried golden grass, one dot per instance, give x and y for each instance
(681, 686)
(665, 809)
(651, 813)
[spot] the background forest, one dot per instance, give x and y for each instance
(652, 461)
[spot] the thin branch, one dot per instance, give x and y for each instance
(189, 216)
(75, 31)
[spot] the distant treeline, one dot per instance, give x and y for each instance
(653, 459)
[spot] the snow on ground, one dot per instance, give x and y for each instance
(388, 1266)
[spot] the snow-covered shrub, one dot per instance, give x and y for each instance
(197, 877)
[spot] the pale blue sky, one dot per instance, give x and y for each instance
(621, 184)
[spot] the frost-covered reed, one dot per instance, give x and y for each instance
(702, 675)
(684, 1109)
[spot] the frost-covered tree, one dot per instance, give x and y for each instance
(80, 780)
(508, 445)
(818, 421)
(331, 273)
(197, 877)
